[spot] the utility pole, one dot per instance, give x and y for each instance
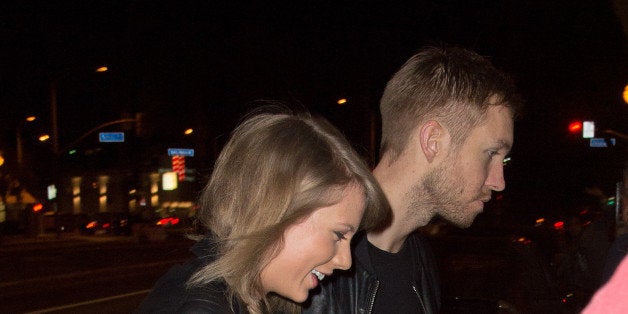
(54, 118)
(55, 155)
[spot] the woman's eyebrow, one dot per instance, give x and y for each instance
(349, 226)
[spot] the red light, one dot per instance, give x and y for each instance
(575, 127)
(559, 225)
(106, 225)
(168, 221)
(38, 207)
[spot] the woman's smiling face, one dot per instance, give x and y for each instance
(314, 247)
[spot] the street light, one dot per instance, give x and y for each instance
(55, 138)
(616, 133)
(43, 137)
(54, 113)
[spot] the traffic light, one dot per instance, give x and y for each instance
(38, 207)
(586, 128)
(575, 127)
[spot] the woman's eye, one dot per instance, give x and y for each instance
(340, 235)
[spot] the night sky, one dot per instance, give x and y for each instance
(201, 63)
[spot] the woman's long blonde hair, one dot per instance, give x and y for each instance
(276, 169)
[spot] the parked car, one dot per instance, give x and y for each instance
(107, 223)
(168, 222)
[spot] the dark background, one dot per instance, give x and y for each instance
(200, 64)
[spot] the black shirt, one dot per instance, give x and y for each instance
(395, 293)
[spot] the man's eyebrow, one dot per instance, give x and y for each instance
(504, 144)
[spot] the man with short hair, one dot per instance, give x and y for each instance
(447, 124)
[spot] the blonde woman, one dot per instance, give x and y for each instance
(286, 196)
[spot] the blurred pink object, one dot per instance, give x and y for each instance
(613, 296)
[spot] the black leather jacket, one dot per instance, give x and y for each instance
(355, 291)
(171, 296)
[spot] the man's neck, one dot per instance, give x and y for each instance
(392, 179)
(386, 241)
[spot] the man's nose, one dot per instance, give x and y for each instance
(495, 179)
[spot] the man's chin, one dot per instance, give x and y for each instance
(461, 222)
(461, 218)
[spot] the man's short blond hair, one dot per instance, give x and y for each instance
(451, 85)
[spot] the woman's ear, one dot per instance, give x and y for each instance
(432, 139)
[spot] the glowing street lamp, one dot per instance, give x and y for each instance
(188, 131)
(54, 111)
(625, 94)
(52, 188)
(43, 137)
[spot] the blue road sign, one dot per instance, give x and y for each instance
(111, 137)
(187, 152)
(601, 142)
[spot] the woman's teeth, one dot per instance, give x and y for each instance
(318, 274)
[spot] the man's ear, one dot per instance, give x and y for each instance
(432, 137)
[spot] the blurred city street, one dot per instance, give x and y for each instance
(82, 274)
(114, 112)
